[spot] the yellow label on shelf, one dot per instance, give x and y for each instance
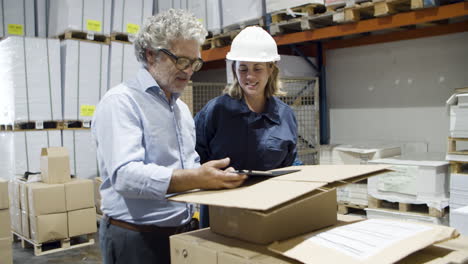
(87, 110)
(15, 29)
(93, 25)
(132, 28)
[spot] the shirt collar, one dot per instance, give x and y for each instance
(147, 81)
(271, 109)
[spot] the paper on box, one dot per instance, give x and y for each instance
(92, 16)
(79, 194)
(128, 16)
(48, 227)
(83, 160)
(4, 200)
(82, 222)
(123, 63)
(28, 148)
(84, 73)
(46, 198)
(369, 241)
(5, 223)
(25, 224)
(15, 216)
(311, 188)
(55, 167)
(6, 250)
(19, 18)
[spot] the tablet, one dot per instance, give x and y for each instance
(265, 173)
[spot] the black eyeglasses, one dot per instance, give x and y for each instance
(183, 63)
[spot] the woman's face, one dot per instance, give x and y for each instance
(252, 77)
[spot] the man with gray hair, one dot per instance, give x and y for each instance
(145, 141)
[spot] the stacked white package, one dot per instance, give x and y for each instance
(19, 18)
(163, 5)
(458, 190)
(83, 161)
(418, 178)
(458, 109)
(208, 11)
(28, 147)
(7, 154)
(241, 11)
(123, 63)
(277, 5)
(459, 219)
(84, 77)
(328, 156)
(30, 87)
(128, 16)
(91, 16)
(355, 193)
(363, 152)
(41, 13)
(385, 214)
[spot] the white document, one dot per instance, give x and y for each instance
(367, 238)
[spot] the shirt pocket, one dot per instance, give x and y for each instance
(275, 151)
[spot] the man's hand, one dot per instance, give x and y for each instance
(208, 176)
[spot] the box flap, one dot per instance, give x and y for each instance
(272, 193)
(331, 173)
(279, 190)
(393, 241)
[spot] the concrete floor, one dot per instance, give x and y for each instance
(86, 255)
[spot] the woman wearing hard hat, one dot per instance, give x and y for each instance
(248, 123)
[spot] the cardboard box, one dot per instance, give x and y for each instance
(4, 200)
(6, 250)
(369, 241)
(18, 18)
(206, 247)
(85, 74)
(14, 192)
(55, 165)
(48, 227)
(28, 146)
(79, 194)
(97, 194)
(87, 16)
(5, 223)
(123, 63)
(46, 198)
(82, 222)
(26, 231)
(24, 201)
(280, 207)
(15, 217)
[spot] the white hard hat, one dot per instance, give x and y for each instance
(253, 44)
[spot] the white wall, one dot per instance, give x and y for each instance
(397, 90)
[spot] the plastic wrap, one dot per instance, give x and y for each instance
(84, 73)
(30, 86)
(128, 16)
(17, 18)
(82, 149)
(123, 63)
(7, 154)
(237, 12)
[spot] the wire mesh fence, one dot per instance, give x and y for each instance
(302, 97)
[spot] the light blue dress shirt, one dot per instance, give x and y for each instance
(141, 138)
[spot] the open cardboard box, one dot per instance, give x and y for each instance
(281, 207)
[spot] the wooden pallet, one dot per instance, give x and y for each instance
(346, 208)
(304, 10)
(45, 248)
(459, 167)
(452, 146)
(87, 36)
(378, 8)
(76, 124)
(122, 37)
(6, 127)
(221, 40)
(422, 209)
(241, 25)
(302, 24)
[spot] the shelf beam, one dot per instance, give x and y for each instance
(375, 24)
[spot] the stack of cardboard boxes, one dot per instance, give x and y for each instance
(6, 254)
(57, 208)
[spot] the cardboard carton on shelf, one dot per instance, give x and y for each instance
(55, 165)
(280, 207)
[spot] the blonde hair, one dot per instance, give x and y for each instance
(273, 86)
